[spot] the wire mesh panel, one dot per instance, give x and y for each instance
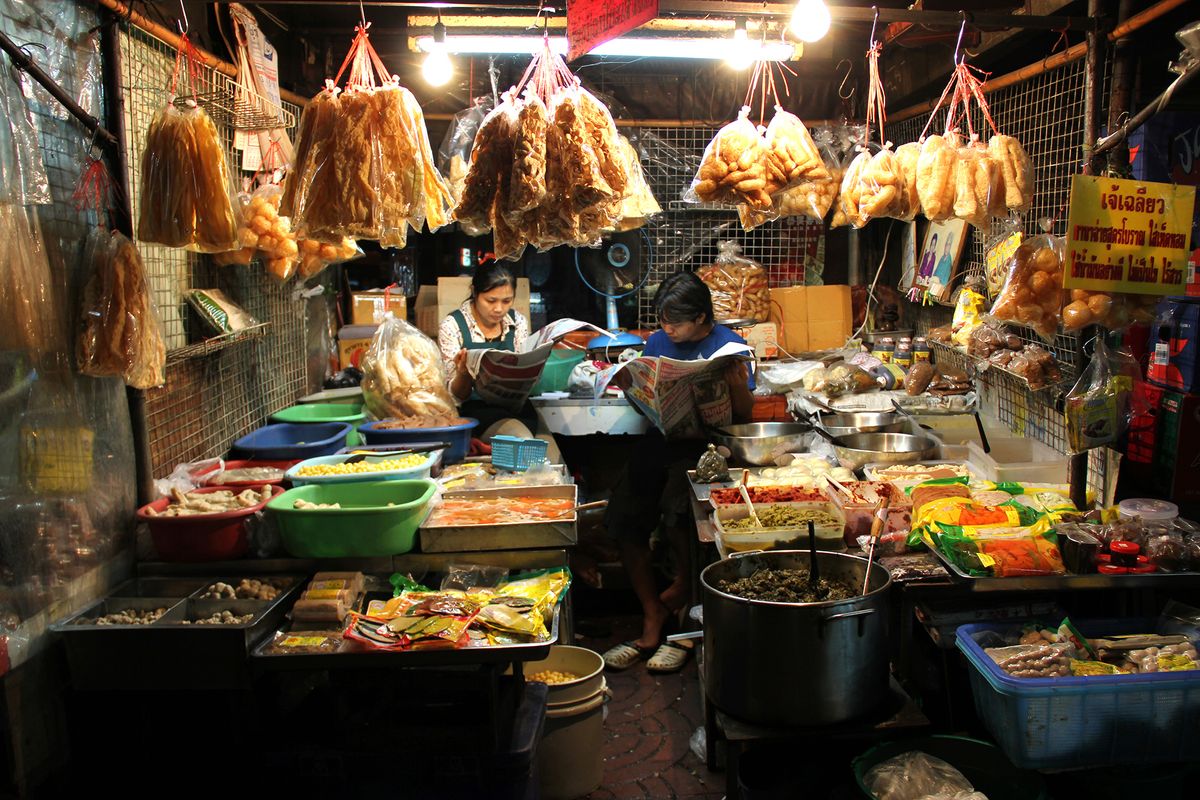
(685, 235)
(215, 392)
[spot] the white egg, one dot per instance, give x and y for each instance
(769, 472)
(842, 474)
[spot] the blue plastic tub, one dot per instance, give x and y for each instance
(459, 437)
(290, 441)
(1050, 723)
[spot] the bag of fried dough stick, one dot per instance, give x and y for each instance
(435, 190)
(791, 154)
(1016, 171)
(733, 168)
(936, 175)
(491, 158)
(977, 181)
(186, 185)
(907, 156)
(812, 197)
(403, 374)
(872, 187)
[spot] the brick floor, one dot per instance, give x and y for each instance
(650, 721)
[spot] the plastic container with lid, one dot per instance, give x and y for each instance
(1148, 509)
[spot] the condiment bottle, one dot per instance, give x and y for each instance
(903, 357)
(920, 349)
(884, 349)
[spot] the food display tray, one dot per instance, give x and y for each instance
(1054, 583)
(703, 490)
(169, 653)
(516, 536)
(354, 655)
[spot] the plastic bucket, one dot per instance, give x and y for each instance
(587, 664)
(569, 757)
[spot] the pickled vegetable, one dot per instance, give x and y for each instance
(785, 517)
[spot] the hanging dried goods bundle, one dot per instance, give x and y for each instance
(1032, 293)
(733, 169)
(936, 173)
(907, 156)
(976, 178)
(528, 182)
(812, 197)
(402, 373)
(31, 321)
(491, 158)
(639, 204)
(1016, 171)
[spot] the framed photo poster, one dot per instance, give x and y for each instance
(941, 252)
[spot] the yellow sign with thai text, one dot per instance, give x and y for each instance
(1128, 236)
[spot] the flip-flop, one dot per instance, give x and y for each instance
(625, 655)
(669, 657)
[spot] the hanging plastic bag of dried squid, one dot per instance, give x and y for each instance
(812, 197)
(403, 374)
(454, 153)
(1033, 288)
(733, 168)
(186, 182)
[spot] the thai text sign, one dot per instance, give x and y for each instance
(1128, 236)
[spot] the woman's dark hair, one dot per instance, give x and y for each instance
(491, 275)
(681, 298)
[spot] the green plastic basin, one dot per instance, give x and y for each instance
(325, 412)
(557, 371)
(364, 527)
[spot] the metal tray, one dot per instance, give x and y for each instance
(465, 538)
(703, 491)
(1055, 583)
(357, 656)
(169, 653)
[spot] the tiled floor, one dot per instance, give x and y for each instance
(650, 721)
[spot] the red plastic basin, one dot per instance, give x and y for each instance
(201, 537)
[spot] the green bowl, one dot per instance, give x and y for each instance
(364, 527)
(325, 412)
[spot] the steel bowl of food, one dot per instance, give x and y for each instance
(758, 443)
(856, 450)
(848, 423)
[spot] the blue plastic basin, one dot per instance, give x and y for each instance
(458, 436)
(292, 441)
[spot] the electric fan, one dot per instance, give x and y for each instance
(614, 270)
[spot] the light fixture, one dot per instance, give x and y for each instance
(810, 20)
(629, 47)
(437, 68)
(741, 52)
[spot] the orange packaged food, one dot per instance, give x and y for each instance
(501, 511)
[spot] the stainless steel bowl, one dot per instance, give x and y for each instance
(858, 449)
(757, 443)
(847, 424)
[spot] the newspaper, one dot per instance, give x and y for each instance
(504, 378)
(681, 398)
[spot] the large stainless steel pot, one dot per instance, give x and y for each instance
(796, 664)
(758, 443)
(859, 449)
(849, 423)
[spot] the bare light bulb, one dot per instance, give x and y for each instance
(810, 20)
(437, 68)
(741, 55)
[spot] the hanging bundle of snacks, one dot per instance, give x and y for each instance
(364, 167)
(402, 373)
(454, 154)
(812, 197)
(733, 168)
(186, 183)
(119, 333)
(638, 205)
(1032, 292)
(738, 285)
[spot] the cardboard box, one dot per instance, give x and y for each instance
(368, 308)
(1177, 448)
(763, 337)
(830, 317)
(789, 312)
(434, 303)
(353, 341)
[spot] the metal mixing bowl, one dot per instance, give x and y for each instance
(857, 449)
(847, 424)
(756, 443)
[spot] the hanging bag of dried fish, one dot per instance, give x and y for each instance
(491, 158)
(812, 197)
(733, 168)
(186, 183)
(402, 373)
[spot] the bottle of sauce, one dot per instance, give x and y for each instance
(903, 357)
(920, 349)
(884, 349)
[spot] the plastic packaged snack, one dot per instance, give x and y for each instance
(1045, 660)
(491, 158)
(847, 210)
(120, 334)
(1098, 409)
(907, 157)
(967, 313)
(638, 205)
(186, 184)
(454, 153)
(31, 314)
(1003, 555)
(976, 178)
(528, 181)
(811, 197)
(1032, 292)
(1016, 171)
(915, 776)
(220, 313)
(791, 156)
(738, 285)
(733, 168)
(936, 177)
(264, 230)
(402, 373)
(316, 256)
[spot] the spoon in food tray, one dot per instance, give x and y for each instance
(746, 498)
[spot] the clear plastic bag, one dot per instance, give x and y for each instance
(316, 256)
(186, 187)
(23, 178)
(528, 181)
(605, 142)
(847, 210)
(32, 320)
(265, 231)
(883, 190)
(733, 168)
(936, 173)
(491, 160)
(638, 205)
(1098, 407)
(907, 156)
(403, 374)
(1016, 171)
(791, 156)
(454, 153)
(915, 776)
(121, 334)
(812, 197)
(583, 166)
(1032, 292)
(977, 178)
(466, 577)
(738, 285)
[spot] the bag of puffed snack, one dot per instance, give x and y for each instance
(733, 168)
(738, 285)
(812, 197)
(936, 177)
(907, 156)
(403, 374)
(528, 180)
(1016, 171)
(491, 160)
(791, 154)
(977, 180)
(1033, 288)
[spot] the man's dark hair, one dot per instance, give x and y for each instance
(681, 298)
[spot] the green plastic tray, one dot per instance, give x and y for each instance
(364, 527)
(557, 371)
(325, 412)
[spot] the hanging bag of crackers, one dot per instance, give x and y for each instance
(738, 285)
(733, 168)
(1033, 289)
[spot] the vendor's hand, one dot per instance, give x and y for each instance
(737, 374)
(460, 361)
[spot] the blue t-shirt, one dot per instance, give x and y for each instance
(659, 344)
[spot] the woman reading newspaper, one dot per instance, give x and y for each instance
(653, 491)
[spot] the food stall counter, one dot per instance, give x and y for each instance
(583, 416)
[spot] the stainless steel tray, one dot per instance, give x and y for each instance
(703, 491)
(1055, 583)
(518, 536)
(171, 652)
(354, 655)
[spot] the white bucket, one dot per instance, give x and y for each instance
(570, 759)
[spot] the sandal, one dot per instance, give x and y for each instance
(670, 657)
(625, 655)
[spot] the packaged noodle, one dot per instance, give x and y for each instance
(733, 168)
(186, 185)
(936, 177)
(738, 285)
(1016, 171)
(121, 334)
(402, 373)
(1032, 292)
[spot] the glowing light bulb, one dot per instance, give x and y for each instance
(741, 52)
(437, 68)
(810, 20)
